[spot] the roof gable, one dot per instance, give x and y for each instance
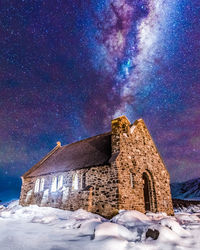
(139, 122)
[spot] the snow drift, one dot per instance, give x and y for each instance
(34, 227)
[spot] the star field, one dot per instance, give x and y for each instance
(68, 67)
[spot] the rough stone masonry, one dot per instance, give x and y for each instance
(121, 169)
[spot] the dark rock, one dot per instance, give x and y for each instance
(152, 234)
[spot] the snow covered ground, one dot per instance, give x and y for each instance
(33, 227)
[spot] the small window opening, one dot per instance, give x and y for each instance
(42, 185)
(54, 184)
(84, 180)
(60, 181)
(37, 186)
(75, 182)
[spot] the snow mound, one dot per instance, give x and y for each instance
(167, 235)
(130, 218)
(14, 210)
(80, 213)
(109, 229)
(110, 244)
(53, 228)
(175, 227)
(87, 227)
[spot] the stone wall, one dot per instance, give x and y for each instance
(139, 155)
(99, 193)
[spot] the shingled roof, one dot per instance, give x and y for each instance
(93, 151)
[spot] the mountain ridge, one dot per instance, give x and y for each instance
(187, 190)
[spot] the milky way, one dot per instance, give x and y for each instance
(68, 67)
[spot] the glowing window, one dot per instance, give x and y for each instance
(54, 184)
(28, 195)
(60, 181)
(75, 182)
(42, 184)
(37, 186)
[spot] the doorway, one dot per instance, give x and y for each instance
(146, 190)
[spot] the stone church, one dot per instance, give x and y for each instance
(121, 169)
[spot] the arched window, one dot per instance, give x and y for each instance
(54, 184)
(37, 186)
(42, 184)
(132, 179)
(84, 180)
(75, 182)
(60, 181)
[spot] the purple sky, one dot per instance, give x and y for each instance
(68, 67)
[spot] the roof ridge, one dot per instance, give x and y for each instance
(92, 151)
(86, 139)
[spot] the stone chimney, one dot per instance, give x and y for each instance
(119, 125)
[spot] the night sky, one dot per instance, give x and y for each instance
(68, 67)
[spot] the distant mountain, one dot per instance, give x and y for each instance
(188, 190)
